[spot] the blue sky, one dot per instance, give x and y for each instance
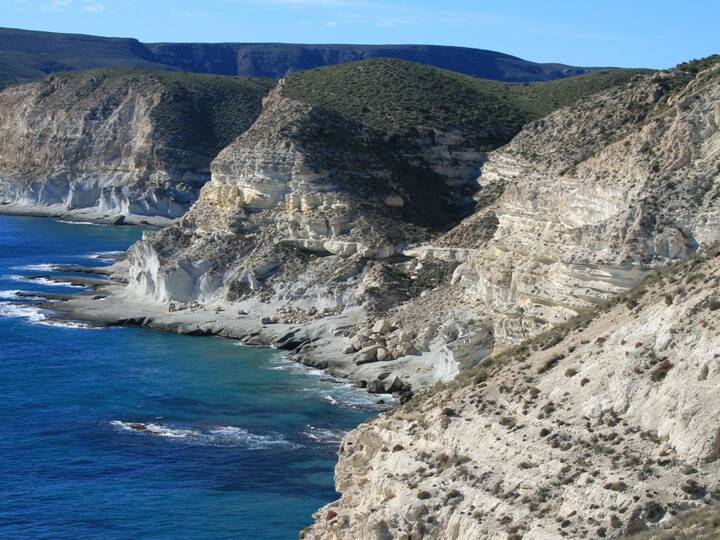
(657, 33)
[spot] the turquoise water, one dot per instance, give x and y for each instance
(241, 442)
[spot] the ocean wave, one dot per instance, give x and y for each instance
(328, 388)
(36, 315)
(71, 222)
(45, 282)
(44, 267)
(220, 436)
(324, 435)
(31, 313)
(105, 256)
(281, 362)
(352, 399)
(67, 324)
(9, 295)
(155, 429)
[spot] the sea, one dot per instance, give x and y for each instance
(124, 433)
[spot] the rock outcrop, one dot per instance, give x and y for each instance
(108, 143)
(599, 428)
(572, 414)
(580, 206)
(296, 209)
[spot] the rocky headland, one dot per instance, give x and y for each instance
(117, 145)
(533, 271)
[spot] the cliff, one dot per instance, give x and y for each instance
(109, 143)
(582, 407)
(599, 428)
(359, 238)
(310, 215)
(577, 209)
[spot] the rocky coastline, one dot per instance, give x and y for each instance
(549, 326)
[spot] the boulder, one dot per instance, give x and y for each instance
(382, 327)
(394, 384)
(382, 354)
(404, 349)
(367, 355)
(376, 387)
(405, 336)
(450, 332)
(358, 341)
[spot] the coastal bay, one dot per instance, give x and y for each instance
(126, 432)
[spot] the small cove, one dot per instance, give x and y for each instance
(128, 432)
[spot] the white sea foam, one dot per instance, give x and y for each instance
(45, 282)
(9, 295)
(67, 324)
(236, 436)
(221, 436)
(104, 256)
(324, 435)
(281, 362)
(70, 222)
(45, 267)
(155, 429)
(31, 313)
(36, 315)
(333, 390)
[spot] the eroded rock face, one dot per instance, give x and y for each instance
(581, 204)
(110, 143)
(603, 434)
(302, 179)
(310, 207)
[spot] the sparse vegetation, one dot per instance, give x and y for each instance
(198, 113)
(397, 96)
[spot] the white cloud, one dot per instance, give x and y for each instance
(57, 5)
(94, 7)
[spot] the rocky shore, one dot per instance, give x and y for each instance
(544, 407)
(321, 342)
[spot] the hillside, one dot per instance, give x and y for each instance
(600, 428)
(279, 59)
(583, 353)
(26, 54)
(436, 122)
(117, 141)
(396, 96)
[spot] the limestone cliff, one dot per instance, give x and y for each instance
(302, 179)
(314, 211)
(580, 205)
(599, 428)
(111, 143)
(580, 418)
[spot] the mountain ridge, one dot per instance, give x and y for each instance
(26, 54)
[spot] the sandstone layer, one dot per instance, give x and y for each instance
(111, 144)
(600, 428)
(583, 419)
